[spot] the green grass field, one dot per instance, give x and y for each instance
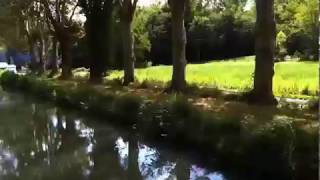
(292, 79)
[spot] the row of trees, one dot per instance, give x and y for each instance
(214, 31)
(49, 23)
(227, 31)
(265, 45)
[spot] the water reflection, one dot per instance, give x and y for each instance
(8, 161)
(153, 166)
(42, 142)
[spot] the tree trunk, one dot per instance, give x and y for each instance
(128, 50)
(265, 50)
(37, 57)
(66, 50)
(98, 39)
(32, 49)
(54, 56)
(133, 158)
(182, 169)
(41, 51)
(98, 53)
(179, 41)
(105, 151)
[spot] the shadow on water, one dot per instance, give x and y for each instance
(39, 141)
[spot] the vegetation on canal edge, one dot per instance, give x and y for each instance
(247, 143)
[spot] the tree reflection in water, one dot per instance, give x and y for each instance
(8, 162)
(155, 165)
(38, 142)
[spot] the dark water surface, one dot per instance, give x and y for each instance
(39, 141)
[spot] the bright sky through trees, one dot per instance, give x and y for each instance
(250, 3)
(150, 2)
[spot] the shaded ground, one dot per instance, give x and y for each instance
(216, 102)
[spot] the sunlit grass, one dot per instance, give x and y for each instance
(292, 79)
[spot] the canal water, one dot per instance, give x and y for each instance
(39, 141)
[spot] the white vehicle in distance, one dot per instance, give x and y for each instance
(8, 67)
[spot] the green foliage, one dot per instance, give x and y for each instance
(127, 109)
(142, 39)
(180, 106)
(212, 33)
(226, 29)
(281, 45)
(80, 96)
(61, 97)
(41, 89)
(272, 142)
(25, 83)
(9, 79)
(277, 132)
(307, 150)
(313, 105)
(1, 72)
(101, 105)
(298, 19)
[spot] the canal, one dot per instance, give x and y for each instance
(40, 141)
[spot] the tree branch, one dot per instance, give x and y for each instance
(108, 5)
(73, 11)
(135, 2)
(57, 7)
(49, 13)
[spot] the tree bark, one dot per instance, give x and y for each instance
(104, 151)
(36, 66)
(127, 11)
(41, 51)
(128, 50)
(265, 50)
(66, 51)
(54, 56)
(98, 51)
(98, 39)
(182, 169)
(64, 30)
(133, 158)
(179, 41)
(32, 49)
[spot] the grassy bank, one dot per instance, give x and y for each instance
(292, 79)
(253, 145)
